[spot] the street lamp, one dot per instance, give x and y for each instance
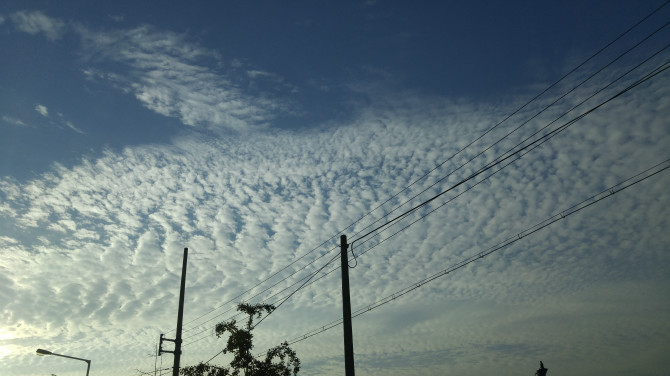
(42, 352)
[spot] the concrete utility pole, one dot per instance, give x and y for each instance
(346, 310)
(180, 318)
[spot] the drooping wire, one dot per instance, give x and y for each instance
(429, 172)
(545, 138)
(535, 144)
(510, 153)
(266, 300)
(573, 70)
(514, 130)
(296, 290)
(620, 93)
(562, 214)
(259, 293)
(282, 301)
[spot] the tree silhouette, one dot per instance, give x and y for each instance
(279, 361)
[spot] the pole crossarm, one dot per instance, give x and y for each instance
(160, 345)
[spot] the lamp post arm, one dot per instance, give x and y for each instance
(71, 357)
(88, 362)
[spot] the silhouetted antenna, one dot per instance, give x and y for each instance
(542, 371)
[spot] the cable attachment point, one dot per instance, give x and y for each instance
(351, 248)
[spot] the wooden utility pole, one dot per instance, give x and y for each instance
(180, 318)
(346, 310)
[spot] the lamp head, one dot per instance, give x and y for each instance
(42, 352)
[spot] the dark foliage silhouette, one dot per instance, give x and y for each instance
(279, 361)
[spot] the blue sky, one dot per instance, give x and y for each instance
(253, 132)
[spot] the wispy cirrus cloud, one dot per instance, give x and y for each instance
(13, 120)
(58, 119)
(34, 22)
(171, 75)
(71, 126)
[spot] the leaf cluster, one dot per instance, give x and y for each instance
(279, 361)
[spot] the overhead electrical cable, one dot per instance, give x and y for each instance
(309, 281)
(573, 70)
(536, 228)
(282, 301)
(644, 78)
(510, 153)
(310, 277)
(528, 120)
(472, 142)
(533, 117)
(657, 71)
(534, 145)
(261, 292)
(421, 283)
(307, 278)
(439, 165)
(562, 214)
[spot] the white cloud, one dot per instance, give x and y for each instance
(169, 75)
(248, 207)
(259, 73)
(42, 110)
(58, 119)
(117, 18)
(73, 127)
(13, 120)
(35, 22)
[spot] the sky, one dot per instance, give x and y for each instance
(501, 169)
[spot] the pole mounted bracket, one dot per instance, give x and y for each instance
(160, 345)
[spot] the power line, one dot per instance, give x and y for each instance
(415, 181)
(305, 284)
(261, 282)
(563, 214)
(263, 291)
(511, 152)
(282, 302)
(590, 201)
(407, 213)
(534, 145)
(573, 70)
(445, 161)
(527, 121)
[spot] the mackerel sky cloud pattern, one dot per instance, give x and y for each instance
(129, 135)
